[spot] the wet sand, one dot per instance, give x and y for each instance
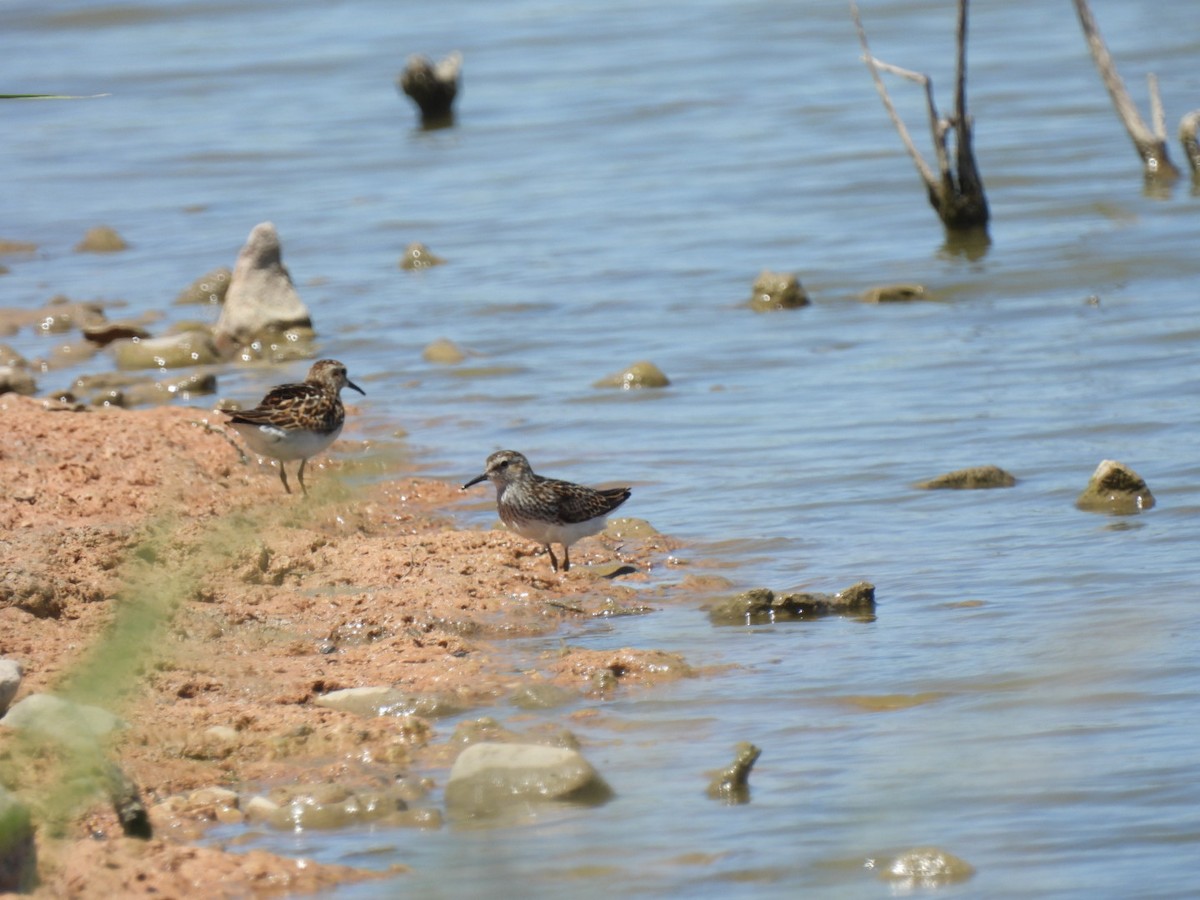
(153, 570)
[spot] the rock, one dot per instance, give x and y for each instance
(490, 780)
(974, 478)
(639, 375)
(432, 88)
(894, 293)
(732, 784)
(386, 701)
(260, 809)
(61, 315)
(35, 592)
(777, 290)
(10, 357)
(13, 248)
(443, 353)
(925, 868)
(326, 806)
(18, 854)
(171, 352)
(105, 333)
(761, 605)
(10, 682)
(261, 299)
(628, 527)
(417, 256)
(541, 695)
(53, 717)
(209, 288)
(1116, 489)
(101, 239)
(14, 380)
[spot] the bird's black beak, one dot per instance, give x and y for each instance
(351, 384)
(475, 480)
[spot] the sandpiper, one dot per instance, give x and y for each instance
(296, 421)
(547, 510)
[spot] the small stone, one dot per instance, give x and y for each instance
(101, 239)
(639, 375)
(13, 248)
(760, 606)
(107, 332)
(10, 683)
(974, 478)
(16, 381)
(223, 734)
(62, 720)
(443, 353)
(732, 784)
(209, 288)
(417, 256)
(259, 809)
(777, 290)
(894, 293)
(489, 780)
(1115, 489)
(628, 527)
(171, 352)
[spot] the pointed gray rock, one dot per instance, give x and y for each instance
(261, 297)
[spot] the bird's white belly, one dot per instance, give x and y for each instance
(550, 533)
(279, 443)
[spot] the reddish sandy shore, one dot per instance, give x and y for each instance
(254, 603)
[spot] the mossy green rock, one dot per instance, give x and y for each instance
(777, 290)
(635, 377)
(170, 352)
(101, 239)
(732, 784)
(417, 256)
(209, 288)
(512, 781)
(894, 293)
(761, 605)
(443, 352)
(1115, 489)
(973, 479)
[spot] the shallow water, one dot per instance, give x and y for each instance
(618, 175)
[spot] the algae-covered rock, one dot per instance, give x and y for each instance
(1115, 489)
(925, 868)
(101, 239)
(16, 381)
(731, 785)
(762, 605)
(387, 701)
(261, 298)
(777, 290)
(972, 479)
(417, 256)
(627, 527)
(443, 352)
(209, 288)
(541, 695)
(61, 720)
(639, 375)
(894, 293)
(512, 780)
(170, 352)
(328, 806)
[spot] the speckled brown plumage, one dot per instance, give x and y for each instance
(547, 510)
(296, 421)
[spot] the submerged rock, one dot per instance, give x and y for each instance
(639, 375)
(327, 806)
(433, 88)
(972, 479)
(777, 290)
(732, 784)
(894, 293)
(261, 299)
(761, 605)
(101, 239)
(443, 352)
(387, 701)
(174, 351)
(512, 780)
(16, 380)
(209, 288)
(926, 868)
(1116, 489)
(107, 332)
(417, 256)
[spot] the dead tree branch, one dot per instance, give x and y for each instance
(958, 197)
(1151, 144)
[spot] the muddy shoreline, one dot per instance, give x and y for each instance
(153, 570)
